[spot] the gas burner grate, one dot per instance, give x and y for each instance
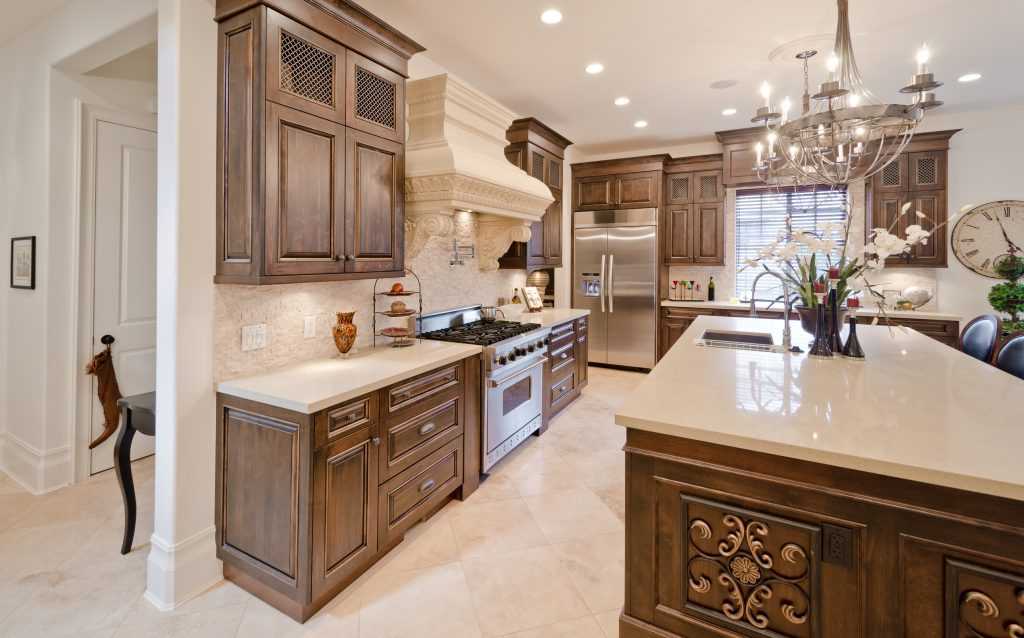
(483, 333)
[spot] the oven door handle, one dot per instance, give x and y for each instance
(515, 376)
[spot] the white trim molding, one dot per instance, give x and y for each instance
(178, 572)
(494, 236)
(38, 471)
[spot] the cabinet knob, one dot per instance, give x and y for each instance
(565, 355)
(427, 485)
(427, 428)
(375, 440)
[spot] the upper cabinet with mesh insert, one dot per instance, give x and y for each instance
(693, 223)
(918, 176)
(540, 151)
(310, 147)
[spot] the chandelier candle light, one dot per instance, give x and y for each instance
(844, 132)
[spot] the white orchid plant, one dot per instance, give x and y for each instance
(794, 255)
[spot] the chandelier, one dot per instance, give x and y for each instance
(844, 132)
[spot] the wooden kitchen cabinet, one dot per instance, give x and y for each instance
(693, 220)
(919, 176)
(565, 371)
(305, 503)
(310, 142)
(538, 150)
(673, 323)
(594, 193)
(634, 182)
(638, 190)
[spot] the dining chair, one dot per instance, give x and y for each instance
(980, 336)
(1011, 356)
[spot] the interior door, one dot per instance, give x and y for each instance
(590, 250)
(632, 296)
(124, 304)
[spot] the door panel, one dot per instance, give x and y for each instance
(305, 193)
(125, 269)
(638, 190)
(595, 193)
(552, 223)
(678, 234)
(632, 296)
(375, 214)
(709, 234)
(589, 245)
(305, 70)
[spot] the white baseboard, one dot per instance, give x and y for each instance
(38, 471)
(178, 572)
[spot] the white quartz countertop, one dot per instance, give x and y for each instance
(546, 318)
(914, 408)
(870, 312)
(314, 385)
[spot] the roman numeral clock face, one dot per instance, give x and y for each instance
(989, 233)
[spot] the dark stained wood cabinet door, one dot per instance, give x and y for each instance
(926, 170)
(679, 234)
(594, 193)
(933, 205)
(554, 173)
(538, 163)
(678, 188)
(552, 224)
(305, 191)
(305, 70)
(886, 212)
(739, 161)
(637, 190)
(673, 324)
(708, 187)
(893, 177)
(709, 234)
(375, 213)
(535, 247)
(375, 101)
(582, 352)
(344, 509)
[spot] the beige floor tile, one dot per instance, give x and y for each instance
(499, 486)
(496, 527)
(336, 620)
(586, 627)
(211, 623)
(609, 622)
(426, 603)
(429, 544)
(570, 514)
(614, 496)
(522, 590)
(597, 567)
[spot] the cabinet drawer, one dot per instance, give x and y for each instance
(408, 497)
(339, 421)
(561, 390)
(561, 335)
(406, 442)
(424, 387)
(563, 358)
(581, 325)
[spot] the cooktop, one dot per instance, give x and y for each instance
(482, 333)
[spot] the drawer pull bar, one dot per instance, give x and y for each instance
(427, 485)
(427, 428)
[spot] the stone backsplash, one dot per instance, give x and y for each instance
(283, 307)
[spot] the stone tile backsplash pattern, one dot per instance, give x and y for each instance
(284, 308)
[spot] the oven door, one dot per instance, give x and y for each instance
(514, 402)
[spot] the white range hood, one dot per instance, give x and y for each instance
(455, 161)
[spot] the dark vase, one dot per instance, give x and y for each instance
(809, 317)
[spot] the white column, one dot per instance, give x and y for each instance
(182, 561)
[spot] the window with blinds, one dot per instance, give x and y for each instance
(761, 216)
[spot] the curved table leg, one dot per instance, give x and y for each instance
(123, 469)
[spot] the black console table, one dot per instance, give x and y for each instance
(138, 414)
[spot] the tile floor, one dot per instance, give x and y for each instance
(536, 552)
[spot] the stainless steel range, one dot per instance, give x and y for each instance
(514, 356)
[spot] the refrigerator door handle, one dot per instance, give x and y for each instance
(600, 283)
(611, 283)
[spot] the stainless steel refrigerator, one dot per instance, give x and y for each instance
(615, 276)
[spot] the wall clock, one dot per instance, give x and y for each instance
(989, 233)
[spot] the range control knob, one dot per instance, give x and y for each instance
(521, 352)
(531, 348)
(547, 340)
(540, 345)
(512, 356)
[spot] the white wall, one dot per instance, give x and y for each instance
(38, 196)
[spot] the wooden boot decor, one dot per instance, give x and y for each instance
(102, 366)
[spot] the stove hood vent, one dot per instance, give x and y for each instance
(455, 161)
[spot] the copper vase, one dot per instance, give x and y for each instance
(344, 332)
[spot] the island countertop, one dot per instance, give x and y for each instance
(314, 385)
(761, 306)
(914, 409)
(546, 318)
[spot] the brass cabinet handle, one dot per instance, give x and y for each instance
(427, 485)
(427, 428)
(336, 258)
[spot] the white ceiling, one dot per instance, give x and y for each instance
(20, 15)
(664, 54)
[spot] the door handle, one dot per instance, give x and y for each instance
(611, 283)
(427, 428)
(600, 283)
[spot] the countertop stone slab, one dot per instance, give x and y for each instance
(868, 312)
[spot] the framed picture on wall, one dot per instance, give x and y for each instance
(23, 262)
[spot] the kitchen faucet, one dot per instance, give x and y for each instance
(787, 336)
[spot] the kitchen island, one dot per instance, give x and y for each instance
(781, 495)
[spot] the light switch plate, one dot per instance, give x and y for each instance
(309, 326)
(254, 337)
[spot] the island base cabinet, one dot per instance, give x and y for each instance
(728, 542)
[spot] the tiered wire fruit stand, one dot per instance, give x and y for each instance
(400, 337)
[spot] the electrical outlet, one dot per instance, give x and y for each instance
(254, 337)
(309, 326)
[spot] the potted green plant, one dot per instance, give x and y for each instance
(1008, 297)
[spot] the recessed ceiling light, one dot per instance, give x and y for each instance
(969, 77)
(551, 16)
(621, 101)
(728, 112)
(594, 68)
(640, 124)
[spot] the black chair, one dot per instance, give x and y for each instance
(1011, 356)
(980, 336)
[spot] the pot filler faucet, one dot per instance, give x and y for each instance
(787, 300)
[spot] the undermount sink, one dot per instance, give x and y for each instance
(739, 340)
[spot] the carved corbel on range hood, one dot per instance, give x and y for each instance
(455, 161)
